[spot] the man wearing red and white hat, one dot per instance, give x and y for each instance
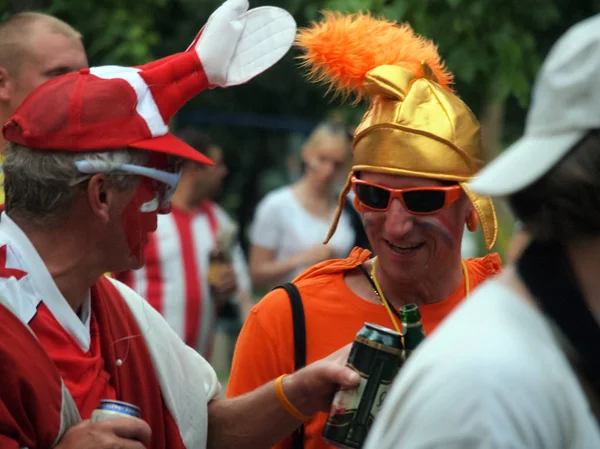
(90, 166)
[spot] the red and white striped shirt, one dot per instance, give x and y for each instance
(174, 279)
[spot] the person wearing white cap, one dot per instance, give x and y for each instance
(517, 365)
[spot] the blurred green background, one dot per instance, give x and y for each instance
(494, 48)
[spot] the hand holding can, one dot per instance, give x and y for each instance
(108, 429)
(376, 355)
(110, 409)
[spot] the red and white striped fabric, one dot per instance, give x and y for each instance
(174, 279)
(27, 290)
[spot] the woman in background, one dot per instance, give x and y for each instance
(291, 222)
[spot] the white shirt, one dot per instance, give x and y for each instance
(493, 376)
(282, 224)
(26, 283)
(175, 278)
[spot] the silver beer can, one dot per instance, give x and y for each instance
(109, 409)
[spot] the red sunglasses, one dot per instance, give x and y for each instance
(416, 200)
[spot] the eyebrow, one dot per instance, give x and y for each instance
(60, 70)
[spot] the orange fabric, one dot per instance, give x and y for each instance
(334, 314)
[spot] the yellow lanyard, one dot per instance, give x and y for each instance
(386, 303)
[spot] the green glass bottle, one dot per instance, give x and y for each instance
(414, 333)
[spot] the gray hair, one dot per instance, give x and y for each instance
(40, 185)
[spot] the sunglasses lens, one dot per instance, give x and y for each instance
(424, 201)
(372, 196)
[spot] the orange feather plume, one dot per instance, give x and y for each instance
(341, 49)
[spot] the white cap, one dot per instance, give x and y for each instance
(565, 106)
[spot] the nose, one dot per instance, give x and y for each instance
(165, 210)
(398, 221)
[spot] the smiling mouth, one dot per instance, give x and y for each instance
(405, 248)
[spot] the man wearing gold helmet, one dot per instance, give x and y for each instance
(415, 148)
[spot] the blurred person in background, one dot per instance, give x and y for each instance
(290, 222)
(518, 366)
(34, 48)
(413, 152)
(177, 279)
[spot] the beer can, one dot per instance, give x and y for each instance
(109, 409)
(376, 355)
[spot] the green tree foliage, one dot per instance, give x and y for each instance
(494, 47)
(114, 31)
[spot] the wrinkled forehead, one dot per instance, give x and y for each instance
(399, 181)
(45, 45)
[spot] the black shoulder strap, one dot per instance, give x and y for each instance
(299, 325)
(547, 272)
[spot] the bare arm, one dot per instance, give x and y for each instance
(257, 419)
(254, 420)
(265, 270)
(245, 303)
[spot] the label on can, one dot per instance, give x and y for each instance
(346, 402)
(353, 411)
(114, 409)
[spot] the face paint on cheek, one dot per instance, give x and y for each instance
(436, 225)
(368, 220)
(150, 206)
(139, 219)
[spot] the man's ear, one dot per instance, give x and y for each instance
(99, 196)
(6, 85)
(472, 220)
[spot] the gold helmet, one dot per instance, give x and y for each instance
(415, 124)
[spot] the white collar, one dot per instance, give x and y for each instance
(44, 287)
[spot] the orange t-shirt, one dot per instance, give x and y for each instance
(334, 314)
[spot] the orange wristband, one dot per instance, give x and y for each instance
(286, 402)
